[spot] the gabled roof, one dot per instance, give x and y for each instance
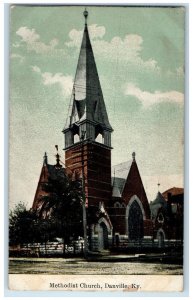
(88, 102)
(129, 182)
(121, 172)
(54, 172)
(116, 188)
(173, 191)
(48, 171)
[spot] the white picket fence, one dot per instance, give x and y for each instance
(53, 248)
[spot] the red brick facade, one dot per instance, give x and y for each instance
(134, 186)
(97, 170)
(40, 191)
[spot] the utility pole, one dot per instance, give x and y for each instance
(84, 197)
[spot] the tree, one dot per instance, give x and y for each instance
(26, 227)
(22, 225)
(60, 214)
(62, 207)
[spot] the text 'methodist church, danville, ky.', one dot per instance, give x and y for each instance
(122, 215)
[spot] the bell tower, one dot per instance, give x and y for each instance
(88, 131)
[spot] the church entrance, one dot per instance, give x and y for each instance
(135, 222)
(160, 237)
(103, 236)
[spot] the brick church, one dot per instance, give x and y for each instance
(115, 196)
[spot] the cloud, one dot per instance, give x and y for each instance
(36, 69)
(96, 31)
(17, 56)
(127, 49)
(75, 36)
(16, 45)
(65, 82)
(180, 72)
(33, 42)
(148, 99)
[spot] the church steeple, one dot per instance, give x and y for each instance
(88, 108)
(88, 132)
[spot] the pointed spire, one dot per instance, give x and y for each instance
(45, 159)
(158, 185)
(159, 199)
(88, 102)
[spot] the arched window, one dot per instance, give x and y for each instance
(160, 218)
(135, 222)
(117, 204)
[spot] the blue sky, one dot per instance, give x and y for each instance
(139, 54)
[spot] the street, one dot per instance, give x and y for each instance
(79, 266)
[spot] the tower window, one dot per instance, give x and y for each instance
(76, 138)
(99, 134)
(100, 138)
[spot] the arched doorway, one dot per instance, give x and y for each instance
(103, 236)
(160, 238)
(135, 222)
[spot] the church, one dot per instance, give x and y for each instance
(114, 196)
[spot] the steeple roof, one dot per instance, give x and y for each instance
(88, 102)
(159, 199)
(116, 188)
(158, 203)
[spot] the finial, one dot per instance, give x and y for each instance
(58, 165)
(57, 160)
(85, 13)
(45, 159)
(133, 156)
(158, 185)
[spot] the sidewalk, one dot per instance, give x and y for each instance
(150, 257)
(174, 258)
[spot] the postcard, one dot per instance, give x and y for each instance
(96, 158)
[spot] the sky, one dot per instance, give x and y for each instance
(139, 52)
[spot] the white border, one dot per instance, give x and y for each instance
(190, 162)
